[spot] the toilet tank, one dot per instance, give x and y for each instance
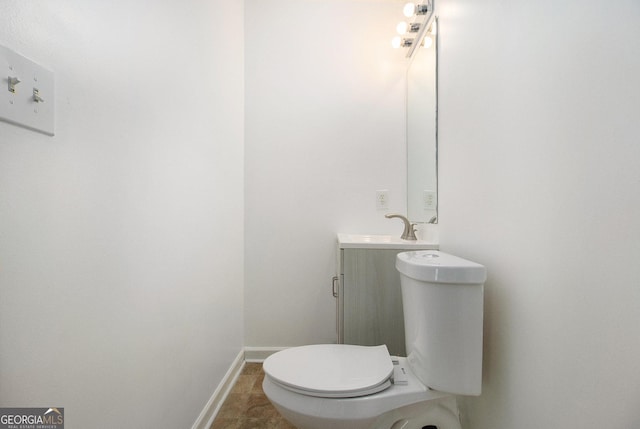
(442, 298)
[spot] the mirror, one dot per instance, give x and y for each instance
(422, 132)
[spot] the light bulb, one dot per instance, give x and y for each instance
(409, 10)
(402, 28)
(396, 42)
(427, 42)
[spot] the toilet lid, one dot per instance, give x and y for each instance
(331, 370)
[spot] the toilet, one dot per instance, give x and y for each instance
(342, 386)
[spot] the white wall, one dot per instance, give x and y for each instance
(324, 130)
(121, 240)
(540, 181)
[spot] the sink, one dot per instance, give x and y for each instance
(371, 241)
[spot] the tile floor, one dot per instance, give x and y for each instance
(247, 407)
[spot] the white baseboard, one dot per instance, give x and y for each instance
(210, 411)
(259, 354)
(249, 354)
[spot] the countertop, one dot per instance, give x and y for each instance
(362, 241)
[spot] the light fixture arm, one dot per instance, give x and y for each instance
(422, 9)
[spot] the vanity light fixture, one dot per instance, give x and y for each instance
(423, 16)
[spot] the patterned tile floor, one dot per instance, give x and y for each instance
(247, 407)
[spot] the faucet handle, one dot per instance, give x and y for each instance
(412, 232)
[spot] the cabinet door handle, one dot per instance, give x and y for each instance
(334, 286)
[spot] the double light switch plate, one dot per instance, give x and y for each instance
(26, 92)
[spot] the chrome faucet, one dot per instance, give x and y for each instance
(409, 233)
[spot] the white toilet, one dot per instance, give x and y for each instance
(342, 386)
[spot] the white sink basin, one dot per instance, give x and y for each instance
(366, 241)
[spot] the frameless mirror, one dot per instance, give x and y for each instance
(422, 131)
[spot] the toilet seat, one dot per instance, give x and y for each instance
(331, 370)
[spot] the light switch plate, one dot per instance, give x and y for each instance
(27, 95)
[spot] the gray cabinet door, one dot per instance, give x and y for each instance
(372, 311)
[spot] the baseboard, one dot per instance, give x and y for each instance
(208, 414)
(259, 354)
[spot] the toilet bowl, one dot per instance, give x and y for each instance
(368, 398)
(343, 386)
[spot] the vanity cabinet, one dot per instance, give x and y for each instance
(369, 299)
